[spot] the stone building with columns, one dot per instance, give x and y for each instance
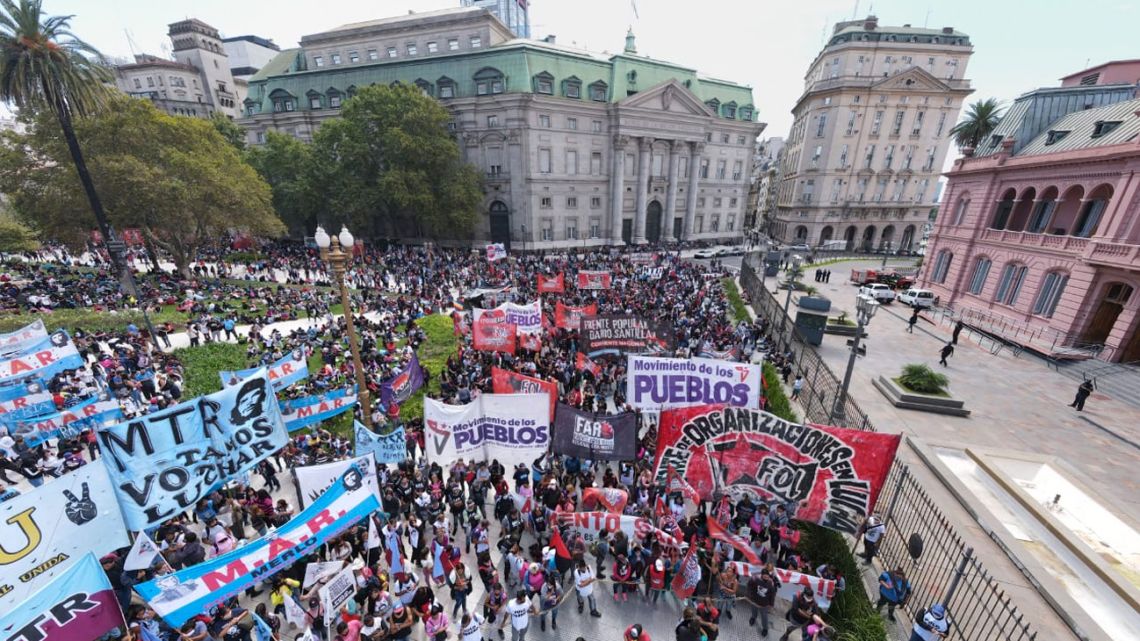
(577, 148)
(870, 135)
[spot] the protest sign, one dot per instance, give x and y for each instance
(191, 591)
(513, 428)
(594, 279)
(291, 368)
(42, 358)
(164, 462)
(507, 382)
(552, 284)
(336, 593)
(527, 319)
(52, 526)
(613, 335)
(302, 412)
(142, 554)
(316, 571)
(569, 317)
(490, 336)
(400, 387)
(496, 251)
(792, 582)
(594, 436)
(678, 382)
(685, 582)
(387, 448)
(77, 605)
(313, 480)
(92, 413)
(832, 474)
(589, 524)
(709, 351)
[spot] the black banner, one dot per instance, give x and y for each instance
(616, 335)
(601, 436)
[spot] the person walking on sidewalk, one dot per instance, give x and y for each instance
(873, 530)
(894, 590)
(958, 327)
(797, 386)
(912, 321)
(947, 351)
(1083, 392)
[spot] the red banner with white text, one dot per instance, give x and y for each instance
(551, 284)
(594, 280)
(489, 336)
(569, 317)
(504, 381)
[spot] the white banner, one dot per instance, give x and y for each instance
(513, 428)
(654, 383)
(791, 582)
(316, 571)
(527, 318)
(44, 531)
(336, 593)
(313, 480)
(19, 340)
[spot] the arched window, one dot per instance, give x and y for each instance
(960, 210)
(941, 266)
(1092, 210)
(489, 81)
(981, 271)
(544, 83)
(599, 91)
(572, 87)
(1004, 209)
(1010, 282)
(447, 87)
(1049, 293)
(424, 86)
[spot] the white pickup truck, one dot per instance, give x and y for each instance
(881, 292)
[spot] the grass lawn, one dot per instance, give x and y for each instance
(202, 364)
(433, 354)
(90, 319)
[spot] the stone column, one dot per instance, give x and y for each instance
(617, 187)
(644, 145)
(671, 193)
(694, 178)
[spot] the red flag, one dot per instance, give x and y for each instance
(570, 317)
(584, 364)
(674, 483)
(717, 532)
(530, 341)
(489, 336)
(612, 499)
(551, 284)
(689, 576)
(559, 546)
(507, 382)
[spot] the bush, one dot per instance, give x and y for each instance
(920, 378)
(739, 309)
(778, 402)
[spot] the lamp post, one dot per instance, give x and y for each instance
(792, 276)
(865, 308)
(337, 258)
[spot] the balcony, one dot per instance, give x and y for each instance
(1065, 244)
(1113, 254)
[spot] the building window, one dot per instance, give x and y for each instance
(149, 81)
(544, 161)
(424, 86)
(1009, 284)
(476, 42)
(820, 125)
(595, 228)
(138, 83)
(746, 113)
(571, 229)
(446, 88)
(572, 202)
(318, 61)
(334, 100)
(544, 121)
(392, 52)
(732, 202)
(981, 271)
(314, 102)
(815, 156)
(596, 163)
(741, 140)
(492, 121)
(700, 224)
(729, 111)
(572, 88)
(876, 123)
(851, 122)
(598, 92)
(897, 127)
(548, 232)
(704, 167)
(411, 48)
(843, 157)
(870, 157)
(717, 202)
(724, 138)
(353, 57)
(572, 162)
(721, 168)
(888, 156)
(595, 202)
(916, 130)
(941, 124)
(544, 84)
(433, 47)
(546, 202)
(488, 80)
(572, 124)
(453, 44)
(738, 170)
(373, 55)
(260, 136)
(715, 224)
(336, 58)
(701, 202)
(941, 266)
(596, 126)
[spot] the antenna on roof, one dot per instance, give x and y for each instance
(927, 19)
(823, 32)
(855, 11)
(130, 42)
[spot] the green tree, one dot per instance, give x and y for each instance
(175, 178)
(982, 118)
(285, 163)
(389, 166)
(14, 235)
(233, 134)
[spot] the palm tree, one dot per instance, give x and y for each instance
(44, 66)
(981, 119)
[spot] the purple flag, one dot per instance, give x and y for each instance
(400, 387)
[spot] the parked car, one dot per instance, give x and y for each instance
(881, 292)
(799, 248)
(921, 298)
(707, 252)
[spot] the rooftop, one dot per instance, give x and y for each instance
(456, 11)
(146, 60)
(868, 30)
(1111, 125)
(257, 40)
(1110, 63)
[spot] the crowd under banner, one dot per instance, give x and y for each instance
(595, 436)
(653, 383)
(527, 319)
(791, 583)
(614, 335)
(513, 428)
(388, 448)
(299, 413)
(164, 462)
(46, 530)
(570, 317)
(77, 605)
(829, 475)
(92, 413)
(289, 369)
(178, 596)
(314, 480)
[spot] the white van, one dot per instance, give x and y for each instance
(920, 298)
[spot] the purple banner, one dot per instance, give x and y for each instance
(400, 387)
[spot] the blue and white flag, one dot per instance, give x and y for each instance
(34, 400)
(164, 462)
(92, 413)
(78, 605)
(302, 412)
(292, 368)
(261, 629)
(18, 341)
(42, 359)
(179, 596)
(387, 448)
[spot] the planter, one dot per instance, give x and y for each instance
(842, 330)
(909, 400)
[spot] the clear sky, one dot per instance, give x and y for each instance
(1018, 45)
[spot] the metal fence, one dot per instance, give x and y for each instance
(946, 572)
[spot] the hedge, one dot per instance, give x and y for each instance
(736, 303)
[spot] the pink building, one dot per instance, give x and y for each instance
(1043, 235)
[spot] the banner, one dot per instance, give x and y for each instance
(526, 318)
(142, 554)
(832, 474)
(386, 448)
(319, 570)
(791, 582)
(42, 358)
(708, 351)
(336, 593)
(677, 382)
(740, 543)
(314, 480)
(78, 605)
(164, 462)
(89, 414)
(504, 381)
(292, 368)
(687, 579)
(587, 435)
(583, 364)
(613, 335)
(400, 387)
(569, 317)
(552, 284)
(594, 280)
(588, 524)
(46, 530)
(513, 428)
(496, 251)
(302, 412)
(35, 401)
(612, 499)
(191, 591)
(17, 342)
(490, 336)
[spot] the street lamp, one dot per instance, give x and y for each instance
(792, 276)
(865, 308)
(337, 258)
